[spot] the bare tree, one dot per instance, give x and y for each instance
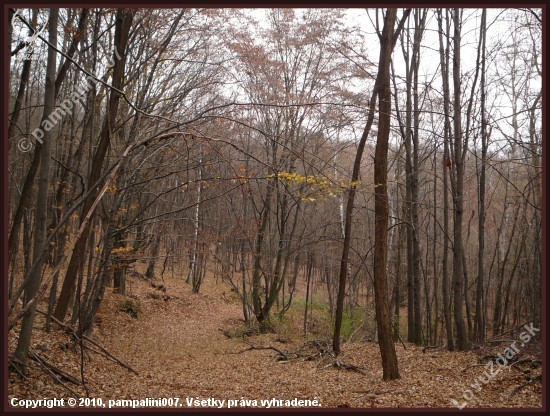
(479, 325)
(381, 90)
(458, 197)
(444, 60)
(35, 274)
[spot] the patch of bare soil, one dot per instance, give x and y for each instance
(178, 349)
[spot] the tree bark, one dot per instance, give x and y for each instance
(26, 193)
(444, 58)
(381, 86)
(122, 29)
(415, 64)
(33, 284)
(462, 338)
(479, 324)
(383, 322)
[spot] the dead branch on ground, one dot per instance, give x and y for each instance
(85, 338)
(310, 350)
(532, 381)
(40, 360)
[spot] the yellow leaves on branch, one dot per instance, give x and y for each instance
(319, 185)
(121, 250)
(240, 178)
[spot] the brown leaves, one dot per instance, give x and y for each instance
(179, 351)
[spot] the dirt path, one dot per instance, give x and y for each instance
(178, 351)
(175, 345)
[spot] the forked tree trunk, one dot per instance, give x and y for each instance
(381, 89)
(387, 348)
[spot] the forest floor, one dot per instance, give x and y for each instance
(179, 350)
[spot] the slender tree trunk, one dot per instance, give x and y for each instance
(27, 239)
(434, 251)
(191, 276)
(13, 240)
(509, 285)
(87, 315)
(408, 132)
(348, 219)
(23, 344)
(479, 332)
(243, 257)
(383, 322)
(257, 270)
(458, 274)
(444, 58)
(536, 304)
(10, 32)
(122, 29)
(398, 267)
(26, 192)
(24, 80)
(309, 271)
(415, 64)
(498, 298)
(150, 272)
(389, 359)
(467, 297)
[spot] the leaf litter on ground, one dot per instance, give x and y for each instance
(178, 348)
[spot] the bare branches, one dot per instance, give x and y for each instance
(310, 350)
(281, 355)
(532, 381)
(42, 362)
(532, 13)
(102, 351)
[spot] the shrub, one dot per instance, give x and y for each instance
(130, 308)
(350, 322)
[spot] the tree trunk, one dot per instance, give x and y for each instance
(419, 23)
(458, 276)
(13, 240)
(444, 58)
(389, 359)
(498, 299)
(33, 285)
(150, 272)
(26, 193)
(257, 270)
(122, 29)
(97, 293)
(192, 275)
(407, 136)
(479, 324)
(387, 347)
(434, 251)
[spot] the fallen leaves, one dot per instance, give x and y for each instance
(179, 351)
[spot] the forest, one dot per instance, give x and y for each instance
(275, 207)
